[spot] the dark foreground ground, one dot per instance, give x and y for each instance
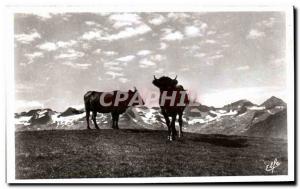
(142, 153)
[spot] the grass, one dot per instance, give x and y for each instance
(142, 153)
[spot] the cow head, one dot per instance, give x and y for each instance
(135, 98)
(164, 82)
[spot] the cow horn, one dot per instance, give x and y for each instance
(135, 89)
(154, 77)
(175, 77)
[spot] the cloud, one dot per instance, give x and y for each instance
(143, 52)
(92, 35)
(254, 34)
(145, 63)
(110, 53)
(126, 58)
(211, 32)
(163, 46)
(97, 51)
(71, 54)
(158, 20)
(65, 44)
(157, 57)
(172, 36)
(27, 38)
(32, 56)
(92, 23)
(243, 68)
(123, 80)
(210, 41)
(77, 65)
(43, 15)
(114, 74)
(125, 19)
(128, 32)
(48, 46)
(178, 15)
(24, 105)
(268, 22)
(192, 31)
(200, 55)
(217, 56)
(108, 64)
(159, 71)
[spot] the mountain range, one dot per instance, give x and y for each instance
(242, 117)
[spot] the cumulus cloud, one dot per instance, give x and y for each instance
(177, 15)
(123, 80)
(145, 63)
(125, 19)
(210, 41)
(92, 23)
(27, 38)
(32, 56)
(267, 22)
(71, 54)
(157, 57)
(114, 74)
(65, 44)
(159, 71)
(254, 34)
(172, 36)
(143, 52)
(200, 55)
(126, 58)
(243, 68)
(110, 53)
(43, 15)
(92, 35)
(163, 46)
(48, 46)
(128, 32)
(192, 31)
(77, 65)
(217, 56)
(157, 20)
(211, 32)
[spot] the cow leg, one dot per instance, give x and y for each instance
(94, 119)
(115, 117)
(167, 123)
(113, 120)
(87, 115)
(180, 125)
(117, 120)
(173, 130)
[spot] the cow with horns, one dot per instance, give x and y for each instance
(115, 102)
(172, 100)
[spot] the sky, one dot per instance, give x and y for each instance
(219, 57)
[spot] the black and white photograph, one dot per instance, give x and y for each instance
(147, 96)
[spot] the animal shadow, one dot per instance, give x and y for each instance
(222, 140)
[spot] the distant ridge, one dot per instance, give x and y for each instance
(238, 118)
(70, 111)
(272, 102)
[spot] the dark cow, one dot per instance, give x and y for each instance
(115, 102)
(173, 100)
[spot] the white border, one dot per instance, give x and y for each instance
(146, 7)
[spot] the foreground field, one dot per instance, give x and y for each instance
(142, 153)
